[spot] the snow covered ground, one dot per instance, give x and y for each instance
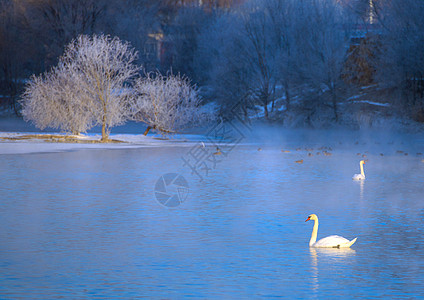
(15, 145)
(129, 136)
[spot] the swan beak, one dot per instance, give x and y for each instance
(307, 219)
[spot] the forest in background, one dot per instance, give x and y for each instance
(304, 62)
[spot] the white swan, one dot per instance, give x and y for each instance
(332, 241)
(362, 175)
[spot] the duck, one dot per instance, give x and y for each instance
(332, 241)
(218, 151)
(362, 175)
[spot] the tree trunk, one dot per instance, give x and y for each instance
(104, 135)
(286, 87)
(147, 130)
(266, 111)
(265, 102)
(246, 116)
(336, 115)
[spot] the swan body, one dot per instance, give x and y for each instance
(362, 175)
(332, 241)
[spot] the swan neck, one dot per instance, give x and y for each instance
(314, 233)
(362, 169)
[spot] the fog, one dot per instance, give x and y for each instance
(373, 141)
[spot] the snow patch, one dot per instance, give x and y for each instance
(372, 103)
(11, 144)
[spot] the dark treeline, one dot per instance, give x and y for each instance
(294, 59)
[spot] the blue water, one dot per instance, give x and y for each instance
(86, 224)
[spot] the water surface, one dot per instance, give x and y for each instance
(86, 224)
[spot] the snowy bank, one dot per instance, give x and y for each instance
(24, 142)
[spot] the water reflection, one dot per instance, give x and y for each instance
(361, 189)
(332, 255)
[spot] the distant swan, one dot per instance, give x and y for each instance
(332, 241)
(362, 175)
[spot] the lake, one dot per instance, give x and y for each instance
(88, 223)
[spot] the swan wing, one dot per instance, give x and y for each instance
(334, 241)
(358, 177)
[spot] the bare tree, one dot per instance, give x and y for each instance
(283, 18)
(51, 100)
(322, 39)
(167, 103)
(243, 55)
(104, 68)
(88, 87)
(268, 46)
(36, 102)
(223, 66)
(262, 54)
(56, 23)
(15, 51)
(400, 67)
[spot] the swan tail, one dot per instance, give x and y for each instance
(351, 242)
(346, 245)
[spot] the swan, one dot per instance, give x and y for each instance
(332, 241)
(362, 175)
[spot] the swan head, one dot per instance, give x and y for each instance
(362, 162)
(312, 217)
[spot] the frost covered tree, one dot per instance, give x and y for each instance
(87, 88)
(167, 103)
(104, 67)
(52, 100)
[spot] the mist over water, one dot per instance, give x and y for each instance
(86, 223)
